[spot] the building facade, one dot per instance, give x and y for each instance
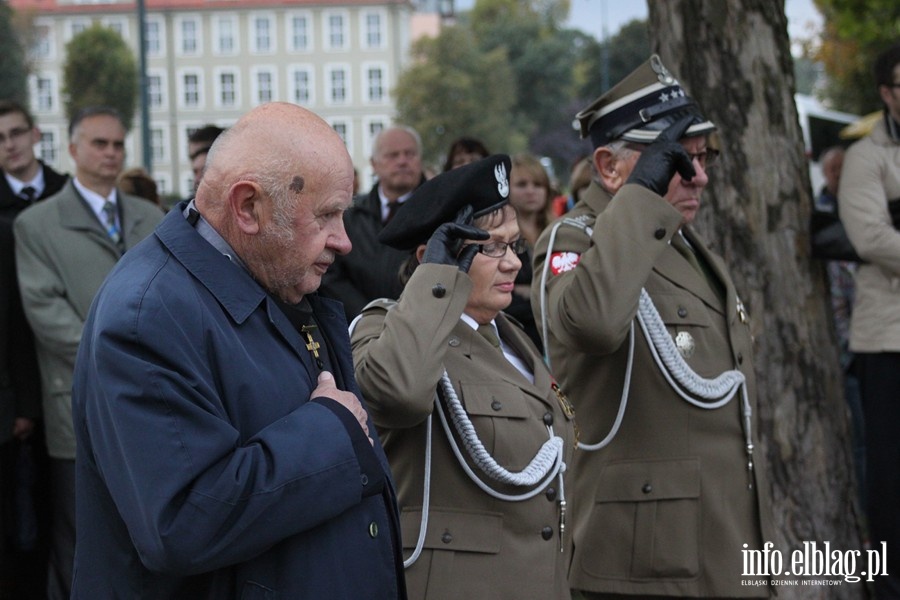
(210, 61)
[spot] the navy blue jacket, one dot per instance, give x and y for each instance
(204, 467)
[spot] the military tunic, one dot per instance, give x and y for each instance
(476, 546)
(665, 508)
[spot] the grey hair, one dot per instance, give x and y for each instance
(376, 144)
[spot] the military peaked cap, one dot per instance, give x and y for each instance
(640, 106)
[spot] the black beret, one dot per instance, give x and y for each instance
(484, 184)
(641, 106)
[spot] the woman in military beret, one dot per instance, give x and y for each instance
(477, 432)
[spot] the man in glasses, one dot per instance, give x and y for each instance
(869, 193)
(641, 320)
(25, 180)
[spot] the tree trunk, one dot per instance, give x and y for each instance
(733, 57)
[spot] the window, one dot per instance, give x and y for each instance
(336, 29)
(157, 145)
(337, 81)
(155, 96)
(153, 37)
(341, 128)
(375, 84)
(301, 86)
(226, 34)
(44, 94)
(43, 48)
(262, 27)
(264, 85)
(372, 129)
(227, 82)
(372, 30)
(191, 90)
(47, 148)
(76, 26)
(299, 33)
(118, 25)
(189, 35)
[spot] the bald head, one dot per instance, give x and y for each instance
(274, 183)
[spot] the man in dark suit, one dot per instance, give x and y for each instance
(65, 246)
(25, 181)
(371, 269)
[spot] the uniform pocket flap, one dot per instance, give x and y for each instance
(681, 309)
(453, 530)
(488, 399)
(648, 481)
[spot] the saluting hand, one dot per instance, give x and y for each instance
(660, 160)
(443, 247)
(348, 400)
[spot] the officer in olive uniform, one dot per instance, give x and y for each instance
(483, 496)
(640, 318)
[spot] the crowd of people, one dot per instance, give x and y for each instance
(465, 385)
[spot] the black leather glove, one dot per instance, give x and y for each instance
(444, 245)
(660, 160)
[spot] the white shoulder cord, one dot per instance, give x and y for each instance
(718, 391)
(546, 464)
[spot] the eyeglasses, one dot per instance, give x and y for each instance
(707, 158)
(498, 249)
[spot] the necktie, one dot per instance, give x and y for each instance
(679, 243)
(488, 333)
(392, 210)
(109, 211)
(28, 193)
(703, 269)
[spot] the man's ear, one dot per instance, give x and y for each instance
(247, 205)
(420, 252)
(608, 169)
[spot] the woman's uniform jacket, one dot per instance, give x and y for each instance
(476, 546)
(205, 468)
(63, 254)
(665, 508)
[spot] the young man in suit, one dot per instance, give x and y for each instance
(25, 180)
(65, 246)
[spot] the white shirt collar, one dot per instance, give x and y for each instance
(37, 182)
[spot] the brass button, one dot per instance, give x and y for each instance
(548, 418)
(496, 405)
(682, 312)
(547, 532)
(446, 537)
(453, 342)
(373, 529)
(438, 291)
(647, 488)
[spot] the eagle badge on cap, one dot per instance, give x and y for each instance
(502, 180)
(661, 71)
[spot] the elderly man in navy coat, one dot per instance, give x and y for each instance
(223, 451)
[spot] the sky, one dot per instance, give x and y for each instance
(589, 15)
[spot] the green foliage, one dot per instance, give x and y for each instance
(855, 33)
(100, 69)
(453, 89)
(13, 67)
(626, 50)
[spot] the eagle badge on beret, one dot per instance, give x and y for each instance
(665, 77)
(502, 180)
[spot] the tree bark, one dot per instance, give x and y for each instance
(733, 57)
